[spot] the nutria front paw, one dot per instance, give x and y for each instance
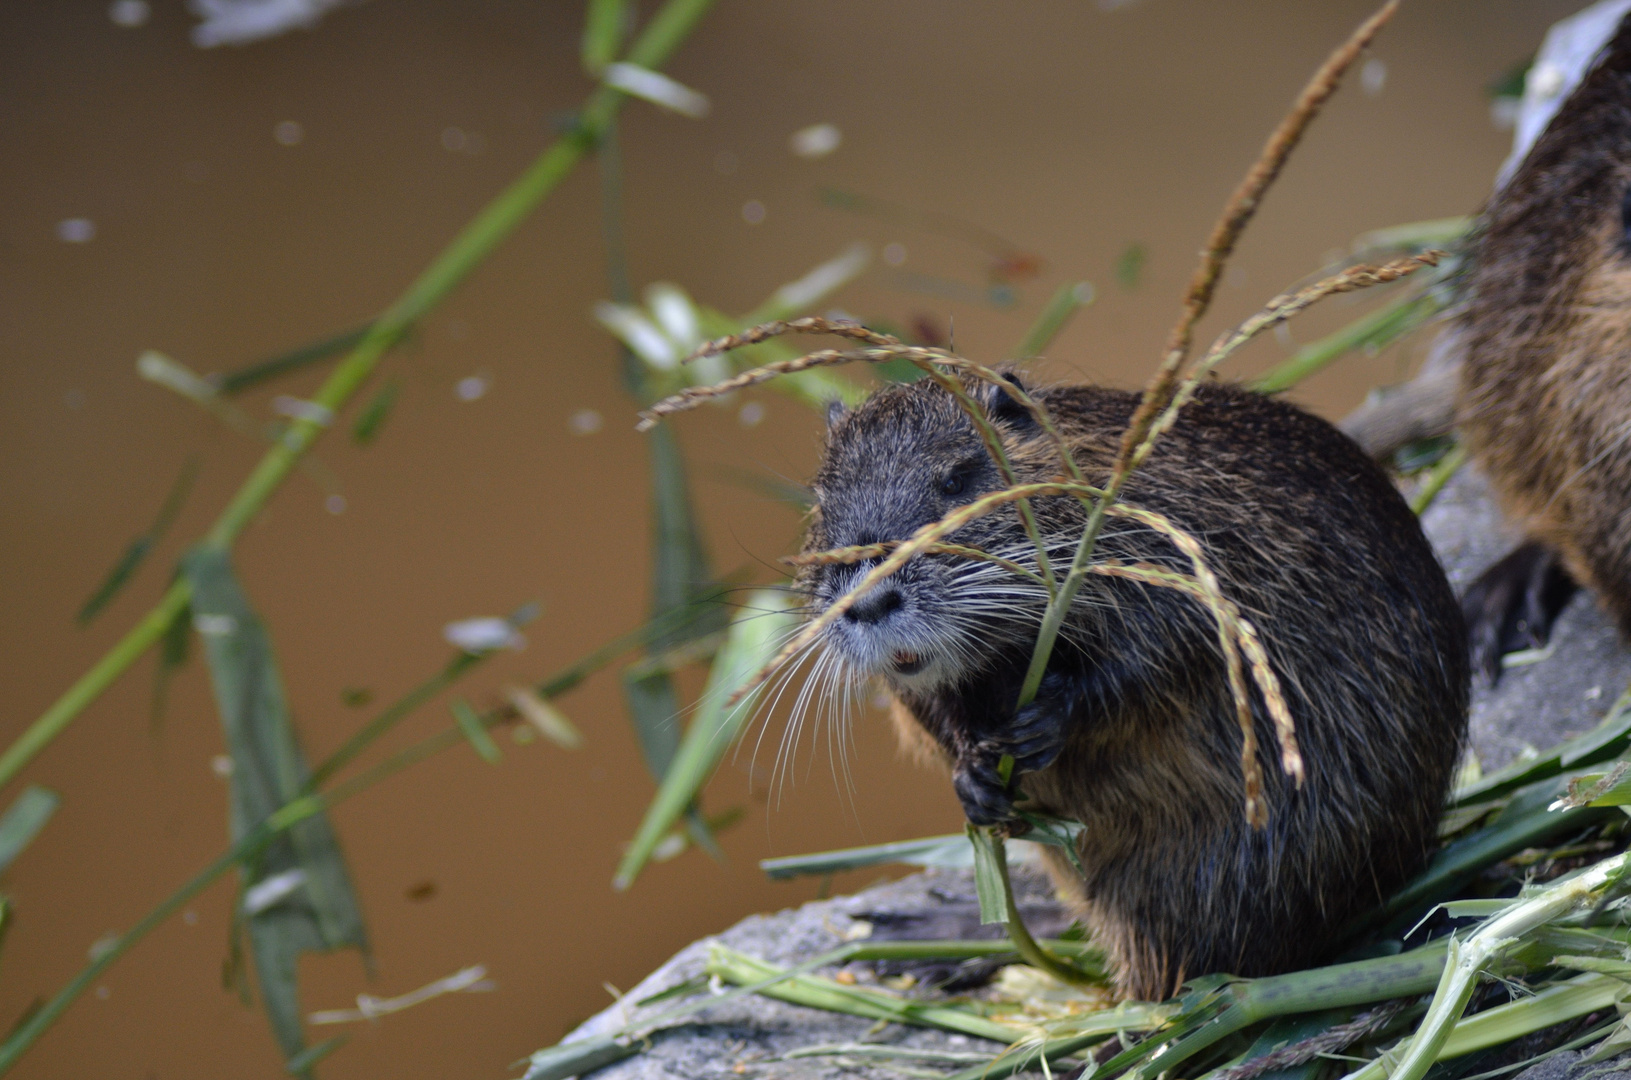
(980, 787)
(1033, 741)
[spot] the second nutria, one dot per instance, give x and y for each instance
(1134, 732)
(1545, 401)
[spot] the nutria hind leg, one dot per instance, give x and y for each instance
(1513, 605)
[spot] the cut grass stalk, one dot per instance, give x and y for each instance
(667, 28)
(1468, 959)
(991, 860)
(819, 993)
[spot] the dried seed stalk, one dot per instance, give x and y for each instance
(1236, 213)
(1277, 310)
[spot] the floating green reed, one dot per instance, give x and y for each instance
(667, 28)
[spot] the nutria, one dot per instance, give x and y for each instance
(1134, 732)
(1545, 401)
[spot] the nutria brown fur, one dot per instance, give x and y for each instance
(1545, 400)
(1134, 732)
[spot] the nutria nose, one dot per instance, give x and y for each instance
(874, 607)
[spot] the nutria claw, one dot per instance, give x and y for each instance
(980, 789)
(1033, 742)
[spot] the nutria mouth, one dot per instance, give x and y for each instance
(906, 663)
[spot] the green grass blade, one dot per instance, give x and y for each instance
(1376, 330)
(23, 821)
(1414, 236)
(680, 576)
(1437, 477)
(947, 852)
(236, 382)
(174, 647)
(136, 553)
(301, 1064)
(988, 876)
(319, 911)
(654, 707)
(603, 29)
(1522, 824)
(579, 1058)
(1069, 298)
(118, 576)
(1607, 740)
(470, 724)
(680, 564)
(497, 220)
(373, 415)
(755, 635)
(799, 297)
(820, 993)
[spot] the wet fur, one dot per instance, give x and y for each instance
(1312, 542)
(1545, 399)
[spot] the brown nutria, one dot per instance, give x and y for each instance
(1545, 401)
(1134, 732)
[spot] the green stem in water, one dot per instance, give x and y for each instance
(312, 802)
(468, 250)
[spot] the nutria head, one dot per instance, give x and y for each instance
(901, 460)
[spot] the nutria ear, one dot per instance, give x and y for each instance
(835, 412)
(1000, 405)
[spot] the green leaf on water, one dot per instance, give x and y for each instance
(235, 382)
(173, 650)
(1056, 315)
(6, 919)
(375, 413)
(297, 892)
(301, 1063)
(755, 635)
(654, 706)
(138, 550)
(681, 572)
(475, 731)
(1130, 265)
(23, 821)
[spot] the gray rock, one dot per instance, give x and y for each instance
(1537, 705)
(1534, 706)
(752, 1032)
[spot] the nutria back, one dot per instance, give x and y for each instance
(1545, 401)
(1135, 732)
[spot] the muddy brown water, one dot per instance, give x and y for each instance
(1072, 129)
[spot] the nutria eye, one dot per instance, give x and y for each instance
(953, 484)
